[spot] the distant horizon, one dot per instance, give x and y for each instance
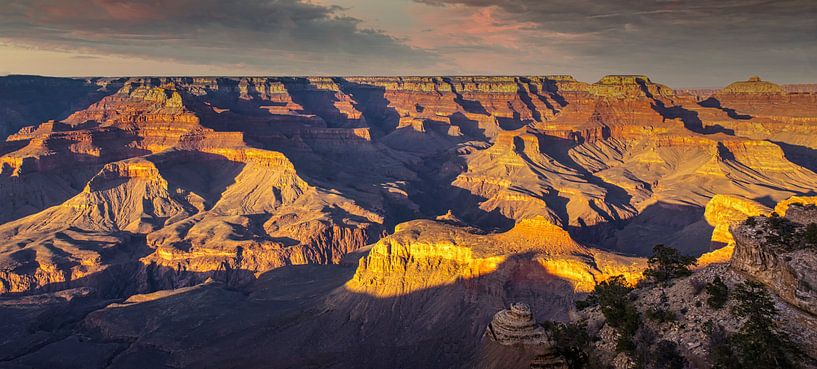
(652, 79)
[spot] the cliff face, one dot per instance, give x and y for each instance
(776, 252)
(189, 177)
(423, 255)
(770, 249)
(28, 100)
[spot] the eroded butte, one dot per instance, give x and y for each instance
(393, 211)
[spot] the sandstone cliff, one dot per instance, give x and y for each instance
(141, 185)
(303, 170)
(770, 249)
(776, 252)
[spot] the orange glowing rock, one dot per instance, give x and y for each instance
(425, 254)
(255, 173)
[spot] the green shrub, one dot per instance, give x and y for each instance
(718, 293)
(621, 314)
(666, 263)
(586, 303)
(751, 222)
(721, 354)
(612, 297)
(785, 234)
(625, 344)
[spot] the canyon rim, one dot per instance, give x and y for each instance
(324, 184)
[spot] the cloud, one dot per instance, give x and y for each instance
(692, 41)
(680, 42)
(282, 36)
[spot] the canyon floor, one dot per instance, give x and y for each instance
(347, 222)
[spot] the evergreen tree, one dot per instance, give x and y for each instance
(721, 353)
(667, 263)
(811, 234)
(573, 342)
(718, 293)
(614, 300)
(760, 344)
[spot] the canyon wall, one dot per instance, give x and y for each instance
(367, 221)
(180, 178)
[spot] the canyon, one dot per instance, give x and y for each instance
(344, 222)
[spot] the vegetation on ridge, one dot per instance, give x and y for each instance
(718, 293)
(667, 263)
(759, 343)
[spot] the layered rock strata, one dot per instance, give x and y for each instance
(776, 252)
(188, 177)
(516, 325)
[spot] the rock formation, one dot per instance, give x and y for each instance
(515, 325)
(767, 248)
(426, 254)
(607, 161)
(141, 188)
(776, 252)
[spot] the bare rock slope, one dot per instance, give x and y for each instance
(146, 214)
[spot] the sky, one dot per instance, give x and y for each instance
(683, 43)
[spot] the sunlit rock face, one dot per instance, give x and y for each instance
(394, 211)
(722, 213)
(175, 179)
(423, 254)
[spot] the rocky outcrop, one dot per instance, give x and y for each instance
(754, 85)
(804, 214)
(619, 86)
(782, 207)
(775, 252)
(723, 212)
(426, 254)
(516, 325)
(688, 329)
(255, 173)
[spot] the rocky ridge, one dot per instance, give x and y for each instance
(364, 153)
(138, 190)
(776, 252)
(769, 249)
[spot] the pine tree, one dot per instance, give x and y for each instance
(667, 263)
(759, 343)
(718, 293)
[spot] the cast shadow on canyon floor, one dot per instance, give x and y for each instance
(290, 317)
(680, 226)
(803, 156)
(690, 118)
(713, 102)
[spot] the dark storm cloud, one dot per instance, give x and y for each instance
(284, 36)
(676, 36)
